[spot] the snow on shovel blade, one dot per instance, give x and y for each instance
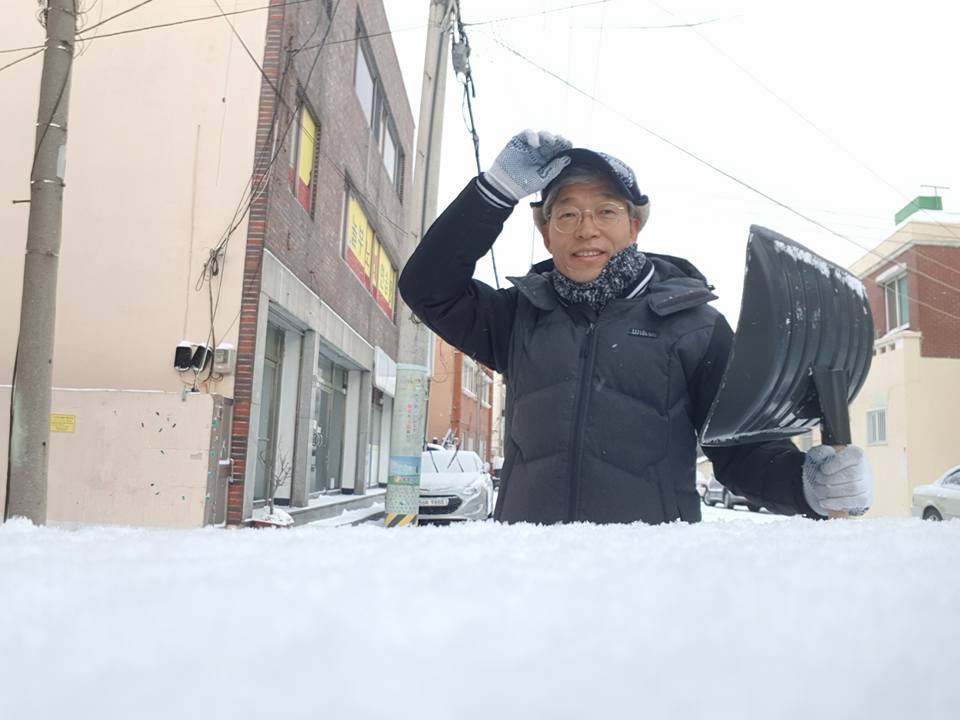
(798, 312)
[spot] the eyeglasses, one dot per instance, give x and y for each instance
(566, 219)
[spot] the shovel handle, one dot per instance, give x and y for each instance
(838, 513)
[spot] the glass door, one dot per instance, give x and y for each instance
(373, 449)
(269, 405)
(330, 397)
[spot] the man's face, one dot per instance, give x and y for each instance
(582, 254)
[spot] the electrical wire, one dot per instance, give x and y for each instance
(735, 179)
(256, 189)
(213, 267)
(119, 14)
(87, 43)
(21, 59)
(461, 54)
(849, 153)
(538, 14)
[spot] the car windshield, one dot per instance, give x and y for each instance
(445, 461)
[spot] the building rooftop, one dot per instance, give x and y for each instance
(925, 227)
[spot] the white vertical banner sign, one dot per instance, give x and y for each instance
(406, 445)
(413, 375)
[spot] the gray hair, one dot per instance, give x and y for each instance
(570, 176)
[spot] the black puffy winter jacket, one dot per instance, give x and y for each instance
(603, 409)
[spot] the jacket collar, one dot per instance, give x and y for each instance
(676, 285)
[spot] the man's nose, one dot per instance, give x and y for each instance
(584, 230)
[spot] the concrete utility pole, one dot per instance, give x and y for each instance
(33, 377)
(409, 405)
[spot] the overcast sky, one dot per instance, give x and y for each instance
(839, 109)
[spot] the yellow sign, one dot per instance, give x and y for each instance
(386, 281)
(359, 241)
(63, 423)
(308, 131)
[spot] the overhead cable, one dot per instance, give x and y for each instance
(733, 178)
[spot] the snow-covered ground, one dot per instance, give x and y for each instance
(747, 616)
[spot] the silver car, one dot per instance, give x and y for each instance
(939, 501)
(454, 485)
(714, 493)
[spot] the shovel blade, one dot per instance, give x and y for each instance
(799, 312)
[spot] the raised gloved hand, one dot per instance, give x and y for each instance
(837, 481)
(524, 166)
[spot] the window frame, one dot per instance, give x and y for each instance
(380, 118)
(293, 162)
(468, 377)
(896, 288)
(876, 420)
(486, 397)
(363, 52)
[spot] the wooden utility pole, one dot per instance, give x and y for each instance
(409, 405)
(33, 373)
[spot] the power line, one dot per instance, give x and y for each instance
(255, 189)
(21, 59)
(115, 16)
(538, 14)
(809, 122)
(731, 177)
(460, 53)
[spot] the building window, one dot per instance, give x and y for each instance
(389, 150)
(304, 150)
(876, 426)
(468, 377)
(373, 100)
(895, 299)
(364, 82)
(368, 258)
(485, 391)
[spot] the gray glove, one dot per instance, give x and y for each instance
(524, 166)
(837, 481)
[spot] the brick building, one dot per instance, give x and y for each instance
(318, 333)
(905, 414)
(227, 279)
(460, 406)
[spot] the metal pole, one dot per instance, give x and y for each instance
(409, 405)
(33, 373)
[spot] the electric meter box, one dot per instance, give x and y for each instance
(224, 359)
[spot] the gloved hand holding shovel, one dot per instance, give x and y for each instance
(800, 355)
(837, 484)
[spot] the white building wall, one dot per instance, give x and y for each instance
(160, 149)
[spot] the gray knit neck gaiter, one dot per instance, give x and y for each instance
(620, 272)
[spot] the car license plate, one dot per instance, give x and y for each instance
(432, 502)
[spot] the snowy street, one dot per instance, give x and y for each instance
(747, 615)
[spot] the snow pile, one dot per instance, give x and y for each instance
(787, 619)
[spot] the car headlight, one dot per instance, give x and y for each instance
(471, 490)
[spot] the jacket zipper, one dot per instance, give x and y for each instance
(587, 354)
(686, 297)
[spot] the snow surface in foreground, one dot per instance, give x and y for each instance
(788, 619)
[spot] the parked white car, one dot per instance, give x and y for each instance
(941, 500)
(454, 485)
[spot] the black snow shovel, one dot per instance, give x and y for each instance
(801, 351)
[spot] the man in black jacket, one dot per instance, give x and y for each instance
(611, 356)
